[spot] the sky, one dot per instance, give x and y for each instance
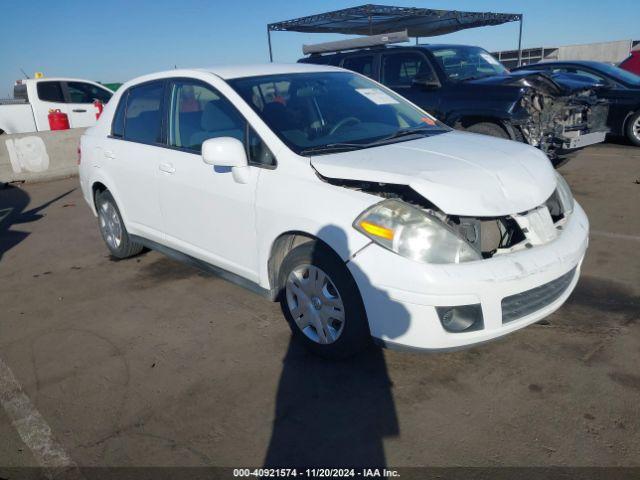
(116, 40)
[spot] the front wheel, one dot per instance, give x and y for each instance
(633, 129)
(112, 228)
(321, 302)
(488, 128)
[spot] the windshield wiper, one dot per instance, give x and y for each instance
(333, 147)
(420, 130)
(345, 147)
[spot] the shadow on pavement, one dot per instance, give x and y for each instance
(335, 413)
(13, 201)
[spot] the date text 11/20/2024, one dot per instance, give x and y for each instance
(315, 473)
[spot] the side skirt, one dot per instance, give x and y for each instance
(206, 267)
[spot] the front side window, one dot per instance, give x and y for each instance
(311, 111)
(362, 64)
(400, 69)
(462, 63)
(197, 113)
(257, 151)
(143, 118)
(80, 92)
(50, 92)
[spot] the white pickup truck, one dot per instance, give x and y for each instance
(33, 98)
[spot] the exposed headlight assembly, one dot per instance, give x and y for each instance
(564, 193)
(413, 233)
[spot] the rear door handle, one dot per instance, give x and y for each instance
(79, 110)
(167, 167)
(110, 155)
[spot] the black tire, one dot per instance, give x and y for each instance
(125, 247)
(488, 128)
(633, 135)
(355, 335)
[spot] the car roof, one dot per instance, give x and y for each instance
(58, 79)
(228, 72)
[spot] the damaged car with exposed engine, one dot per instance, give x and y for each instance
(467, 88)
(366, 217)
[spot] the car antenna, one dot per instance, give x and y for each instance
(25, 75)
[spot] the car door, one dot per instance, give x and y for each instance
(207, 213)
(50, 96)
(80, 97)
(399, 71)
(131, 158)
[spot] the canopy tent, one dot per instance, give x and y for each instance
(376, 19)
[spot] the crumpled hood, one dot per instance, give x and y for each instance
(551, 83)
(461, 173)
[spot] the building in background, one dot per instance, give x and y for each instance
(611, 52)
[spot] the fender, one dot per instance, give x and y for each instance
(309, 217)
(627, 117)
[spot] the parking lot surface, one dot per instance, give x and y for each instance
(150, 362)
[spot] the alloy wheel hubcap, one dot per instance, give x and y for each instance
(636, 128)
(315, 304)
(110, 225)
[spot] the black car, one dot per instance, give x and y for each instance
(466, 88)
(620, 87)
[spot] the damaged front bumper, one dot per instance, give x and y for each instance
(561, 124)
(404, 299)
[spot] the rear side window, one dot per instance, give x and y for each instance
(362, 64)
(143, 117)
(50, 92)
(117, 128)
(399, 69)
(80, 92)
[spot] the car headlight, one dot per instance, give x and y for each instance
(413, 233)
(564, 193)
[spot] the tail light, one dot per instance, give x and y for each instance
(79, 155)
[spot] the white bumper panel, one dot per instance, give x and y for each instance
(400, 294)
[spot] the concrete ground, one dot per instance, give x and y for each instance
(150, 362)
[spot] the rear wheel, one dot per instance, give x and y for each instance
(112, 227)
(633, 129)
(488, 128)
(321, 302)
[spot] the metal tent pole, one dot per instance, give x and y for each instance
(269, 39)
(520, 43)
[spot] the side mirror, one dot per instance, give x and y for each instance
(430, 82)
(227, 152)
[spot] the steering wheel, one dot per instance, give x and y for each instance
(343, 122)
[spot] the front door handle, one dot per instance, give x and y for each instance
(79, 110)
(167, 167)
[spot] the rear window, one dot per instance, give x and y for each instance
(50, 92)
(80, 92)
(143, 118)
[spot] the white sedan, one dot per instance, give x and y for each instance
(320, 188)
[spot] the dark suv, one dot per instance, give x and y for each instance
(467, 88)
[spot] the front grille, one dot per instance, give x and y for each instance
(524, 303)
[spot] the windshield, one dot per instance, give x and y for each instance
(462, 63)
(312, 112)
(619, 74)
